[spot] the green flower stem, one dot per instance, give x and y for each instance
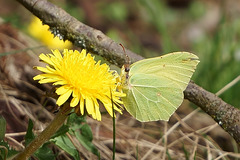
(46, 134)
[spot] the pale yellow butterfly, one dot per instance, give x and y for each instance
(154, 87)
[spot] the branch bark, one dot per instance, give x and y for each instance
(96, 42)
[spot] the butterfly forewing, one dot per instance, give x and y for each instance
(177, 66)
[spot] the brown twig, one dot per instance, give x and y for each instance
(96, 42)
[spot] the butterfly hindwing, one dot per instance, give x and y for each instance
(154, 101)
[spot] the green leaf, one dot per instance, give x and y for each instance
(44, 153)
(64, 143)
(77, 123)
(2, 127)
(76, 120)
(64, 129)
(5, 151)
(29, 135)
(86, 143)
(86, 132)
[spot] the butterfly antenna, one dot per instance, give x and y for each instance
(127, 64)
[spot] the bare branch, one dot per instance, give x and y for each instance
(96, 42)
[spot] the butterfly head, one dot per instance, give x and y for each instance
(124, 74)
(126, 67)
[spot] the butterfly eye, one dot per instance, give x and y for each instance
(127, 69)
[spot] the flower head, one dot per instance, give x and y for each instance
(82, 80)
(41, 32)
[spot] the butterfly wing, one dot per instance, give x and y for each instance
(155, 86)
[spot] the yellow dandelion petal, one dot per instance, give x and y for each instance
(63, 98)
(45, 58)
(56, 62)
(98, 113)
(45, 70)
(94, 116)
(75, 93)
(82, 81)
(83, 52)
(117, 109)
(47, 80)
(90, 106)
(63, 89)
(50, 69)
(118, 101)
(57, 54)
(108, 107)
(74, 101)
(51, 76)
(82, 105)
(60, 82)
(97, 110)
(38, 77)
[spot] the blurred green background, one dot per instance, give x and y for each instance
(208, 28)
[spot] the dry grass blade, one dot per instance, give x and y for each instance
(228, 86)
(171, 130)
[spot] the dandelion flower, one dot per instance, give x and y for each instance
(41, 32)
(82, 81)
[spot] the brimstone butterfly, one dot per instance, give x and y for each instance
(154, 87)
